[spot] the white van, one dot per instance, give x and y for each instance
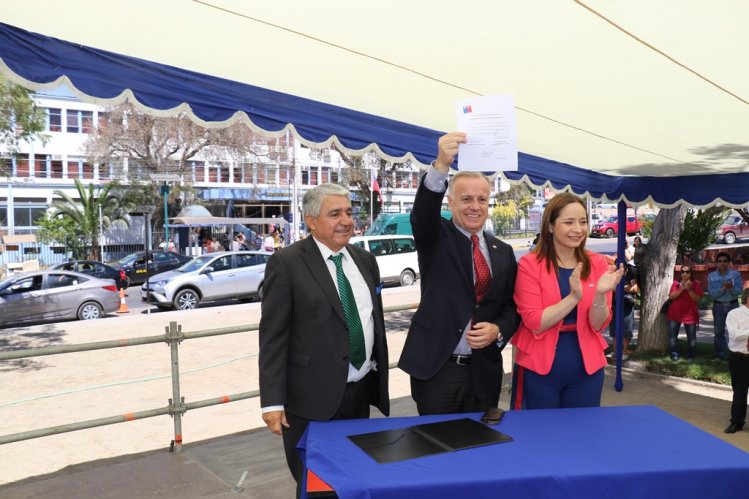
(396, 257)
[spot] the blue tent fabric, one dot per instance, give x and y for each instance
(99, 74)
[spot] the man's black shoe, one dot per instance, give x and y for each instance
(733, 428)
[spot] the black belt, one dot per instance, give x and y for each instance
(740, 353)
(726, 303)
(461, 360)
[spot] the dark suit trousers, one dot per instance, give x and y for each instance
(738, 366)
(449, 391)
(355, 405)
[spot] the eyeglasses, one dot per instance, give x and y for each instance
(686, 271)
(723, 261)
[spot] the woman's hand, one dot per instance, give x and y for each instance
(608, 281)
(576, 288)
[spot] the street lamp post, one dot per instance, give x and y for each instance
(166, 179)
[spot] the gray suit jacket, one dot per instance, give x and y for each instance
(303, 337)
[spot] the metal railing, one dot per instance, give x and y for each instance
(177, 406)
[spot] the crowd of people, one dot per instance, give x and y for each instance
(323, 349)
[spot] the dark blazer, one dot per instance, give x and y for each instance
(448, 300)
(303, 337)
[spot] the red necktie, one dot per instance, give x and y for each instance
(481, 268)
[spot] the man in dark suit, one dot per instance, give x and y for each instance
(311, 367)
(466, 316)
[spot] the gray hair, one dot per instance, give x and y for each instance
(313, 199)
(466, 174)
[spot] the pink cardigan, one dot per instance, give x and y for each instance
(535, 289)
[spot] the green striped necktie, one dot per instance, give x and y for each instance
(353, 321)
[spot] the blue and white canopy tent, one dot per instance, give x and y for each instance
(631, 101)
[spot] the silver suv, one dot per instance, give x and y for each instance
(210, 277)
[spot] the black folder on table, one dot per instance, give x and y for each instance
(421, 440)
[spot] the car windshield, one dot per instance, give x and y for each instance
(611, 219)
(128, 259)
(195, 264)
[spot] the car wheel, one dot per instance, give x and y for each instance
(730, 238)
(610, 233)
(89, 311)
(407, 278)
(187, 299)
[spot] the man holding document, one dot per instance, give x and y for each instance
(467, 313)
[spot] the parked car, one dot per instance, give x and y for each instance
(134, 264)
(610, 226)
(396, 223)
(97, 269)
(215, 276)
(56, 295)
(734, 227)
(396, 257)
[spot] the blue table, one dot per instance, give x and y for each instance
(630, 451)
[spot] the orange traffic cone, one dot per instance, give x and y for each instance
(123, 304)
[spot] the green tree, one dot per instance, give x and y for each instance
(504, 215)
(55, 229)
(20, 120)
(699, 231)
(522, 197)
(85, 213)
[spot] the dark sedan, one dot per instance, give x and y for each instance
(97, 269)
(159, 261)
(46, 295)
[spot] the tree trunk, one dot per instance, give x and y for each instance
(657, 277)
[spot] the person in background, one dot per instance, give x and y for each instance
(631, 289)
(236, 245)
(534, 243)
(737, 328)
(466, 315)
(563, 294)
(323, 352)
(724, 286)
(268, 243)
(629, 253)
(171, 246)
(685, 294)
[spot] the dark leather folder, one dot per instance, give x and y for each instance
(421, 440)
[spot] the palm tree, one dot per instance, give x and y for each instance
(85, 214)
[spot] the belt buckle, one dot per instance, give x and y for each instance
(462, 360)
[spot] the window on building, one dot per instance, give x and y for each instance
(40, 166)
(54, 119)
(223, 172)
(79, 121)
(261, 174)
(4, 216)
(325, 174)
(73, 125)
(87, 121)
(22, 165)
(272, 175)
(27, 216)
(74, 168)
(88, 170)
(56, 168)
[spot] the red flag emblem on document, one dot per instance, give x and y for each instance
(467, 109)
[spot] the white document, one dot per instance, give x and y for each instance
(489, 124)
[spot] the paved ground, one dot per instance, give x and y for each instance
(227, 452)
